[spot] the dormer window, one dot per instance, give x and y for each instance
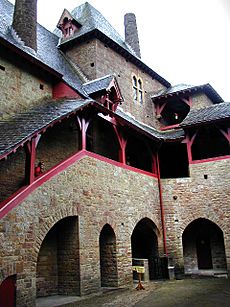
(68, 25)
(137, 90)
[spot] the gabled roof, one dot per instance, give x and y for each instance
(181, 89)
(216, 112)
(22, 127)
(66, 13)
(48, 55)
(98, 85)
(94, 24)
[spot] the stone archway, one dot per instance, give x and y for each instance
(144, 243)
(108, 257)
(58, 266)
(203, 247)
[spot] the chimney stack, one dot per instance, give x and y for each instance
(25, 22)
(131, 34)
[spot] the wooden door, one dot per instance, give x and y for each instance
(8, 292)
(204, 255)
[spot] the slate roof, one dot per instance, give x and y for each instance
(93, 22)
(170, 135)
(97, 85)
(47, 52)
(22, 127)
(216, 112)
(186, 88)
(17, 130)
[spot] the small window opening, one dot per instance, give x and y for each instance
(92, 64)
(2, 68)
(205, 176)
(41, 86)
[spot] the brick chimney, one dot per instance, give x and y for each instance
(131, 34)
(25, 22)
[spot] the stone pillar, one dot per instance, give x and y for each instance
(131, 33)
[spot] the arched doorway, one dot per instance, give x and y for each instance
(108, 257)
(58, 269)
(203, 246)
(145, 245)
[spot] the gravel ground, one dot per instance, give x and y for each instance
(205, 292)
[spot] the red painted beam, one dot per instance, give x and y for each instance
(7, 205)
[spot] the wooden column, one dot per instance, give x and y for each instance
(83, 125)
(122, 142)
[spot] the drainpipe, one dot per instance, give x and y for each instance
(161, 206)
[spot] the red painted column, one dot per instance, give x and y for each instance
(189, 143)
(122, 143)
(30, 163)
(83, 124)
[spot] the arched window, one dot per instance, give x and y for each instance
(137, 90)
(140, 91)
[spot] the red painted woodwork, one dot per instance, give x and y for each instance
(161, 205)
(226, 134)
(32, 153)
(122, 143)
(61, 90)
(159, 108)
(7, 205)
(8, 292)
(169, 127)
(189, 142)
(83, 125)
(210, 159)
(188, 101)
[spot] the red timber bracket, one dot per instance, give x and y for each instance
(189, 141)
(188, 101)
(30, 158)
(226, 134)
(159, 109)
(122, 142)
(83, 125)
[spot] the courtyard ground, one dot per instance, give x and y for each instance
(194, 292)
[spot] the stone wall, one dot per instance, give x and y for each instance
(200, 101)
(22, 90)
(97, 60)
(98, 193)
(187, 199)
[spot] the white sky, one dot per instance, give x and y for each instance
(185, 41)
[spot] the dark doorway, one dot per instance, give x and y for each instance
(8, 292)
(203, 246)
(204, 255)
(108, 257)
(58, 266)
(145, 245)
